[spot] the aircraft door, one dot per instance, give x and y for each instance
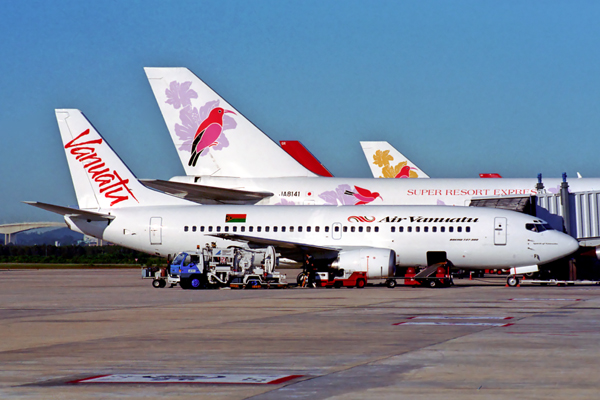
(499, 231)
(156, 230)
(336, 231)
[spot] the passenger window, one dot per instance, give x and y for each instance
(218, 229)
(267, 229)
(308, 229)
(316, 229)
(417, 229)
(425, 229)
(409, 229)
(468, 229)
(201, 229)
(226, 229)
(450, 229)
(434, 229)
(442, 229)
(376, 229)
(352, 228)
(210, 228)
(250, 229)
(235, 229)
(258, 228)
(400, 229)
(274, 229)
(360, 228)
(193, 229)
(368, 229)
(243, 229)
(283, 229)
(326, 229)
(291, 229)
(337, 229)
(345, 229)
(185, 229)
(459, 229)
(393, 229)
(299, 229)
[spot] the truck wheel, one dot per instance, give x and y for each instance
(195, 282)
(163, 283)
(512, 281)
(433, 283)
(184, 283)
(156, 283)
(360, 283)
(391, 283)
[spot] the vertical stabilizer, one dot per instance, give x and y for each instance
(210, 136)
(387, 162)
(100, 178)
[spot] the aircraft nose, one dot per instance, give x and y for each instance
(571, 245)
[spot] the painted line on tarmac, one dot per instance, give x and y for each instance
(232, 379)
(433, 323)
(458, 317)
(541, 299)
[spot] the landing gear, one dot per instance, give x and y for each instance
(512, 281)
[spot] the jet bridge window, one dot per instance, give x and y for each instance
(186, 228)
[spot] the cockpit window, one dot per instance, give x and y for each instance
(538, 227)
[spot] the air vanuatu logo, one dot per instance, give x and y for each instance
(360, 218)
(110, 183)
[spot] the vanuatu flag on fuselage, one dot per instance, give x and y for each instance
(235, 218)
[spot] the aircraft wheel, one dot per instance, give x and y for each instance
(512, 281)
(156, 283)
(391, 283)
(361, 283)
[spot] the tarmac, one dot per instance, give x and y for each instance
(476, 340)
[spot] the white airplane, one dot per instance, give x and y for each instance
(387, 162)
(116, 207)
(241, 165)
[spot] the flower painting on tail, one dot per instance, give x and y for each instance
(401, 170)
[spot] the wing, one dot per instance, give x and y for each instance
(206, 194)
(71, 212)
(292, 250)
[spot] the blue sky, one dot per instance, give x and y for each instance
(460, 87)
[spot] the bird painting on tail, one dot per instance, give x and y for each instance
(208, 133)
(404, 172)
(363, 196)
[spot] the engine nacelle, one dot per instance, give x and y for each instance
(377, 263)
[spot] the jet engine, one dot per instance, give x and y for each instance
(377, 263)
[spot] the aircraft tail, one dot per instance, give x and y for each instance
(387, 162)
(210, 136)
(100, 178)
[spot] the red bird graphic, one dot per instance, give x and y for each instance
(363, 196)
(404, 172)
(207, 134)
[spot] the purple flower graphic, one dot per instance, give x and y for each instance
(337, 196)
(285, 202)
(180, 94)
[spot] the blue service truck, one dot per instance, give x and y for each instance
(213, 267)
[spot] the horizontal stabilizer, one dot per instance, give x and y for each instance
(71, 212)
(206, 194)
